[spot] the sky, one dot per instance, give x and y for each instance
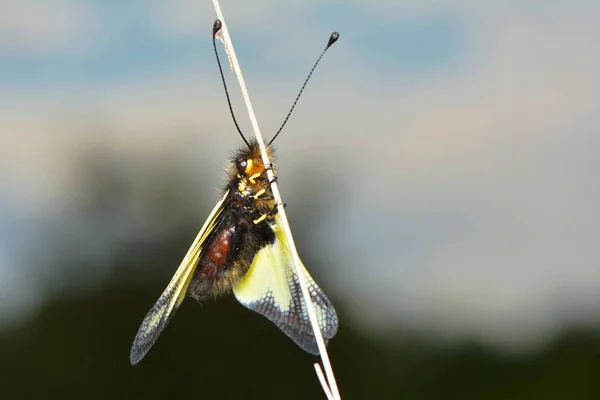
(456, 145)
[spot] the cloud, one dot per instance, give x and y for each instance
(29, 26)
(466, 203)
(488, 221)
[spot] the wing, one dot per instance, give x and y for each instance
(158, 317)
(271, 287)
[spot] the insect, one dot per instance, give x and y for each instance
(241, 248)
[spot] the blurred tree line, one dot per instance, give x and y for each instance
(78, 348)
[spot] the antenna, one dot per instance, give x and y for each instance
(216, 28)
(332, 39)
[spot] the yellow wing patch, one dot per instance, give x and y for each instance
(158, 317)
(271, 287)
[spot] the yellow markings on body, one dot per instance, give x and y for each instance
(260, 219)
(260, 193)
(248, 166)
(252, 178)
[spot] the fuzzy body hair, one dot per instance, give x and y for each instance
(237, 236)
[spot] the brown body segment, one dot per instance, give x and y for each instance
(217, 254)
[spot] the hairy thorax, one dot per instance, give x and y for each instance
(242, 228)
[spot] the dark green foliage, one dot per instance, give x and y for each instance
(78, 348)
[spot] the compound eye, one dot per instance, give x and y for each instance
(241, 166)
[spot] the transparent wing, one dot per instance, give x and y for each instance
(158, 317)
(271, 287)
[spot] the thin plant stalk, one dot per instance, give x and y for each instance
(330, 385)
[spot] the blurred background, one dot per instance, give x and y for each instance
(440, 174)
